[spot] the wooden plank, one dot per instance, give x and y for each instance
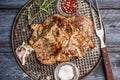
(98, 74)
(111, 21)
(19, 3)
(115, 64)
(9, 69)
(6, 20)
(109, 4)
(12, 3)
(12, 71)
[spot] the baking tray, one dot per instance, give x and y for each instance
(21, 32)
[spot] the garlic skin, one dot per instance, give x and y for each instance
(23, 51)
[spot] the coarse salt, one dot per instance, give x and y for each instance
(66, 72)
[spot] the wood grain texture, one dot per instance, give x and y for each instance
(12, 3)
(109, 4)
(19, 3)
(107, 66)
(111, 20)
(6, 19)
(14, 72)
(9, 70)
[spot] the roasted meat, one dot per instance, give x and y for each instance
(59, 38)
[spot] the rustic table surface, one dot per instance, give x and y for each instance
(9, 69)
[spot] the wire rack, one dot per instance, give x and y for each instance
(21, 32)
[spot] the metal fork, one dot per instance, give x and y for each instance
(100, 33)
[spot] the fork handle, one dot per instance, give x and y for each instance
(107, 66)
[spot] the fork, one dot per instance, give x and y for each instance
(100, 34)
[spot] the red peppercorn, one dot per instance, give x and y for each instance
(69, 6)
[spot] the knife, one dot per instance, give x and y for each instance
(100, 33)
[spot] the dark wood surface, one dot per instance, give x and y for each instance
(9, 69)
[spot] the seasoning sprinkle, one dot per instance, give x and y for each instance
(66, 72)
(69, 6)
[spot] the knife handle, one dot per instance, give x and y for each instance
(108, 70)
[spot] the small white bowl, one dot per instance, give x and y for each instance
(75, 69)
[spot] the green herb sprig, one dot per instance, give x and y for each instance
(43, 7)
(28, 16)
(46, 29)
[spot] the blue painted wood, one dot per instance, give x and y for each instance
(19, 3)
(9, 69)
(6, 19)
(12, 3)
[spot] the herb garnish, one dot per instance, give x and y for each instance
(46, 29)
(28, 16)
(43, 7)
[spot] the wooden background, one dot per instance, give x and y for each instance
(9, 69)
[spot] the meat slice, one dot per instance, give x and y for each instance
(37, 29)
(44, 52)
(85, 25)
(86, 30)
(59, 38)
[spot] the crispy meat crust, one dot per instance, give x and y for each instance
(59, 38)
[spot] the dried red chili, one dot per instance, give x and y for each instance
(69, 6)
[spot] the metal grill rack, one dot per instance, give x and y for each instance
(21, 32)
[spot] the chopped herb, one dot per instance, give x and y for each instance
(46, 29)
(43, 7)
(28, 16)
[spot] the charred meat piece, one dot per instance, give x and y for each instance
(59, 38)
(85, 25)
